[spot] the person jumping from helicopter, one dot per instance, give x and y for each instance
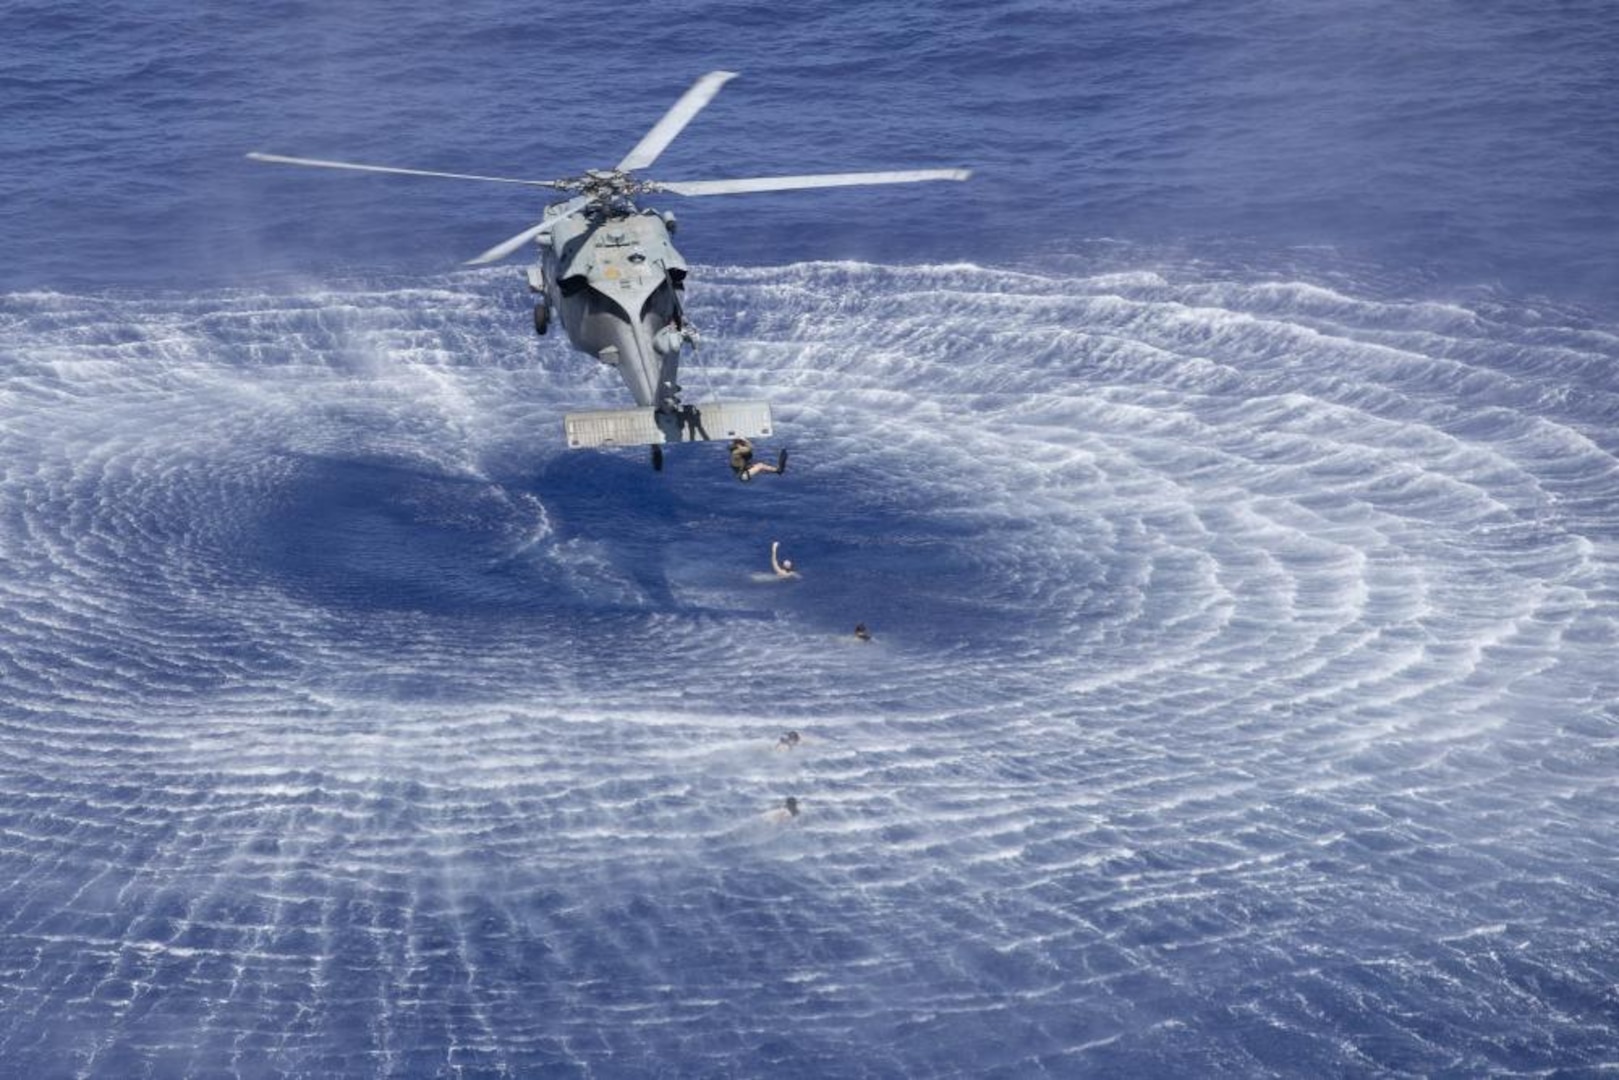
(745, 468)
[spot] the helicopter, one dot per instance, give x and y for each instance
(610, 272)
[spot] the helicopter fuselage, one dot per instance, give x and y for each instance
(609, 272)
(615, 280)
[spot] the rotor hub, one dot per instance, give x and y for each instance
(605, 184)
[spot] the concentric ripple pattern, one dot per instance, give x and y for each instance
(1240, 703)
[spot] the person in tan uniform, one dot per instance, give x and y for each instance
(745, 468)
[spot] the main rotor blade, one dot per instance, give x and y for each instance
(790, 183)
(320, 164)
(506, 247)
(675, 120)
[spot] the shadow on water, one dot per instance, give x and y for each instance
(378, 535)
(872, 546)
(617, 505)
(600, 537)
(583, 535)
(389, 535)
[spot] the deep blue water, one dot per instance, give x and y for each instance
(1227, 473)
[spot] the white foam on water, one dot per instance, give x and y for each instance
(1223, 627)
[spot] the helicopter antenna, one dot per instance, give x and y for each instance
(675, 120)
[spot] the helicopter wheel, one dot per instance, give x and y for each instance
(542, 318)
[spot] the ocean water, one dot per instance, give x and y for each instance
(1227, 473)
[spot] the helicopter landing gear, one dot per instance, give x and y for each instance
(657, 458)
(542, 318)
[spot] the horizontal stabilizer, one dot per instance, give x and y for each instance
(646, 425)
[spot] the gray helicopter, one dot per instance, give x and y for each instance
(610, 272)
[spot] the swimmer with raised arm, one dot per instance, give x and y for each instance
(782, 567)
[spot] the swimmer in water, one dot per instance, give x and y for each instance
(784, 813)
(782, 567)
(861, 633)
(788, 741)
